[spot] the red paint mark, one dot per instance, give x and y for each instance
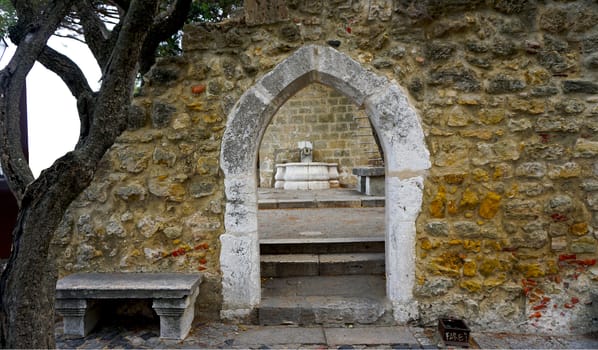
(203, 261)
(574, 300)
(536, 314)
(544, 138)
(556, 217)
(348, 29)
(202, 246)
(568, 306)
(201, 268)
(539, 307)
(198, 89)
(564, 257)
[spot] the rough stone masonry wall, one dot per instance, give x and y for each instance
(330, 121)
(508, 98)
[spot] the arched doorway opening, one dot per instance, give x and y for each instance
(406, 161)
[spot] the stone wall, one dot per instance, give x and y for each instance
(508, 99)
(337, 129)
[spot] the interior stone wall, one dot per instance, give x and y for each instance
(507, 96)
(339, 131)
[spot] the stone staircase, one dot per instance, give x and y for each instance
(329, 279)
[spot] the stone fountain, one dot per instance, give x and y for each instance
(307, 174)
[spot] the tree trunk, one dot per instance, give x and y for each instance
(27, 286)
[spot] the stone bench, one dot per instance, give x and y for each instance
(370, 180)
(173, 297)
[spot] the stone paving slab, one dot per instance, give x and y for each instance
(280, 335)
(315, 225)
(369, 336)
(227, 336)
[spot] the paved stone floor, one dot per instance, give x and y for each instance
(227, 336)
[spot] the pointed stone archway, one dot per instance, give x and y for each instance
(406, 162)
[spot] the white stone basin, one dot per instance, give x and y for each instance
(306, 176)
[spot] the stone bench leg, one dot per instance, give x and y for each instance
(176, 315)
(79, 316)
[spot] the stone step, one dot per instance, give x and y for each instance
(325, 300)
(286, 265)
(322, 246)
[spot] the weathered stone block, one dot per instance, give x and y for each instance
(522, 209)
(571, 106)
(466, 229)
(592, 199)
(501, 84)
(162, 114)
(553, 19)
(531, 170)
(564, 171)
(583, 245)
(437, 228)
(580, 86)
(559, 204)
(436, 51)
(559, 124)
(558, 243)
(458, 77)
(585, 148)
(544, 91)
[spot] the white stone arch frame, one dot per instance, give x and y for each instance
(406, 161)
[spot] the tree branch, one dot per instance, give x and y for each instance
(112, 103)
(95, 32)
(12, 83)
(162, 30)
(66, 69)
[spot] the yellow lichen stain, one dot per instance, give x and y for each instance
(447, 264)
(135, 252)
(552, 268)
(579, 229)
(468, 215)
(162, 177)
(495, 281)
(531, 270)
(176, 241)
(451, 207)
(498, 173)
(455, 242)
(176, 191)
(98, 253)
(472, 285)
(454, 179)
(210, 118)
(468, 100)
(469, 268)
(480, 175)
(474, 246)
(491, 116)
(512, 193)
(421, 280)
(488, 266)
(438, 204)
(494, 245)
(490, 205)
(426, 244)
(469, 199)
(196, 106)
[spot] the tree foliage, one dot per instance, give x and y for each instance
(8, 17)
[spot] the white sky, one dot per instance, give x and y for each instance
(53, 121)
